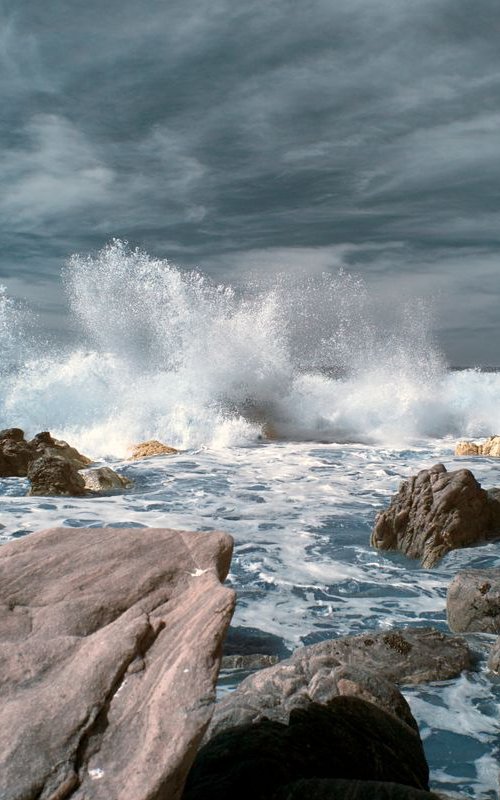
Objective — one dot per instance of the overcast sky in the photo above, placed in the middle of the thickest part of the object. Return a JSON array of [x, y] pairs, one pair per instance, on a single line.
[[270, 135]]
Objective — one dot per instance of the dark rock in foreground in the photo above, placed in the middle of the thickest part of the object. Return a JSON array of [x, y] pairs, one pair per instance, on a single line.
[[473, 601], [349, 738], [365, 666], [434, 512], [325, 789], [110, 643]]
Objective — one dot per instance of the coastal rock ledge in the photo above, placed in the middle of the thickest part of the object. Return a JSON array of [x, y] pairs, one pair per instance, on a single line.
[[110, 643]]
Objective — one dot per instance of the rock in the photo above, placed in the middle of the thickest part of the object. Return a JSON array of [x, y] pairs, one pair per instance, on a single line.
[[365, 666], [16, 454], [110, 642], [44, 444], [151, 448], [473, 601], [491, 447], [494, 659], [434, 512], [51, 475], [325, 789], [104, 479], [349, 738]]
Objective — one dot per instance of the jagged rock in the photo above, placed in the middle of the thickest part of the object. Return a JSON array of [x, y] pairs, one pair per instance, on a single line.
[[349, 738], [51, 475], [104, 479], [16, 454], [151, 448], [45, 445], [491, 447], [110, 642], [365, 666], [494, 659], [473, 601], [325, 789], [434, 512]]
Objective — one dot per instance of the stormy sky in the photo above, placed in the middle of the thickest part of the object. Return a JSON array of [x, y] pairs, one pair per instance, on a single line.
[[264, 136]]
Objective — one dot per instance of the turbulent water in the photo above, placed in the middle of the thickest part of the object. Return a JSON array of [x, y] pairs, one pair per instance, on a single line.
[[355, 397]]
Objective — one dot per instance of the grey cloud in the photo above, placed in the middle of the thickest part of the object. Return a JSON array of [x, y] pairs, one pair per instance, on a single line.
[[254, 137]]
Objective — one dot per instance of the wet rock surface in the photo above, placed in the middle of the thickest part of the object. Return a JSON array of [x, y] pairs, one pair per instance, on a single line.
[[151, 448], [51, 475], [365, 666], [473, 601], [324, 789], [494, 659], [348, 738], [104, 479], [434, 512], [16, 454], [491, 447], [110, 643]]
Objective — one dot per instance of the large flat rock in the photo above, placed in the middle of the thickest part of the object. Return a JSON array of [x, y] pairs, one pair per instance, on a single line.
[[110, 649]]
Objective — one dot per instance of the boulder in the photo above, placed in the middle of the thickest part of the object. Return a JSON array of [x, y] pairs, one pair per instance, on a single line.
[[434, 512], [473, 601], [16, 454], [366, 666], [491, 447], [494, 659], [51, 475], [151, 448], [110, 643], [349, 738], [104, 479], [325, 789]]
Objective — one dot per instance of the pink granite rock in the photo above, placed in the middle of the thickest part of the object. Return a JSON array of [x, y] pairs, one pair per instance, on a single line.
[[110, 644]]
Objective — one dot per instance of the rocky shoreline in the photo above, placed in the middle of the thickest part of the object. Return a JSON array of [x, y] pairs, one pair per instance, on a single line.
[[112, 641]]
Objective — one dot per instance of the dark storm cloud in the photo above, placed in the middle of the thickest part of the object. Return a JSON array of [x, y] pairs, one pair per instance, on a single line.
[[282, 134]]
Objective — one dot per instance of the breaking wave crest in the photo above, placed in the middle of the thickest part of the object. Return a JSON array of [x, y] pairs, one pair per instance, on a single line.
[[169, 354]]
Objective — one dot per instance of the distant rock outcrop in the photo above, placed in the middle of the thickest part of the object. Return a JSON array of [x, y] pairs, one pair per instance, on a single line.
[[491, 447], [434, 512], [365, 666], [16, 454], [151, 448], [110, 643], [473, 601]]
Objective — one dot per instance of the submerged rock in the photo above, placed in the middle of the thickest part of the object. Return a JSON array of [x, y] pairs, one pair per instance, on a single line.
[[365, 666], [110, 642], [349, 738], [473, 601], [491, 447], [434, 512], [104, 479], [151, 448]]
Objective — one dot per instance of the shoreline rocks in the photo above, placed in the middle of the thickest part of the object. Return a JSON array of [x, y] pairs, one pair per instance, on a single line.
[[437, 511], [491, 447], [17, 454], [110, 648], [150, 448], [473, 601], [365, 666]]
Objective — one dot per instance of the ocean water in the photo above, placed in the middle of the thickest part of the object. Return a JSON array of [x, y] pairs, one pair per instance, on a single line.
[[354, 396]]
